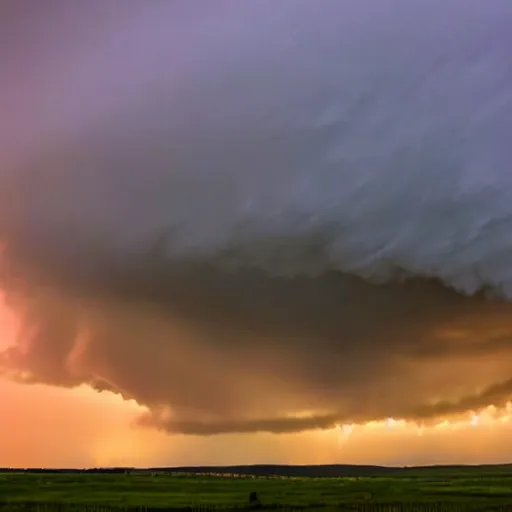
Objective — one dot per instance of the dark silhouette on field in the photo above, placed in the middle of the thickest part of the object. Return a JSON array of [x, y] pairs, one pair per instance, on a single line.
[[254, 501]]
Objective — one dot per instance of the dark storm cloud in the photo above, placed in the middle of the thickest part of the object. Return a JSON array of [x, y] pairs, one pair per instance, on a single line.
[[275, 217]]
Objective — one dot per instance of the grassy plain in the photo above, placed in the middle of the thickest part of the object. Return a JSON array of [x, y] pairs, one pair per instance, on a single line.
[[492, 484]]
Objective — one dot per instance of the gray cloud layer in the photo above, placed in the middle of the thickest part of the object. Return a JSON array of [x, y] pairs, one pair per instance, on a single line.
[[236, 214]]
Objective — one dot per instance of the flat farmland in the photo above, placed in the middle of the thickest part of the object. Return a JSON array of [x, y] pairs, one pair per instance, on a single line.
[[490, 485]]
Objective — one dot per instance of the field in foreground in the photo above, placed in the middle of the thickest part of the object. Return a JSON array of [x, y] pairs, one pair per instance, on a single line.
[[465, 485]]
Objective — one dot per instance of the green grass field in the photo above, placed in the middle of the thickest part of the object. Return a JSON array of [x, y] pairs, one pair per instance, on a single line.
[[475, 485]]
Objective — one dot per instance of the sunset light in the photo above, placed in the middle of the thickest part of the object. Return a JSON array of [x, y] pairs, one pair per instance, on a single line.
[[270, 232], [487, 417]]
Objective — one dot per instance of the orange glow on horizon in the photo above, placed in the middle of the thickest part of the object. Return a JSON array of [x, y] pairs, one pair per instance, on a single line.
[[486, 417], [80, 427], [45, 426]]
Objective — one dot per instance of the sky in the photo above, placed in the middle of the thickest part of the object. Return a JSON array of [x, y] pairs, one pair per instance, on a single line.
[[255, 232]]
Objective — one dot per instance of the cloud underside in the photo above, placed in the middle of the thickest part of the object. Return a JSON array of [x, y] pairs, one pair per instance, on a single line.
[[213, 351]]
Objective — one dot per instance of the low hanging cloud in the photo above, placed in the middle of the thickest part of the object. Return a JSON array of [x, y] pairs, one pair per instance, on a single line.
[[261, 216]]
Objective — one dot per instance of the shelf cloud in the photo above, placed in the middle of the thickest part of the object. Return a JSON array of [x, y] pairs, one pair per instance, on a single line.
[[260, 216]]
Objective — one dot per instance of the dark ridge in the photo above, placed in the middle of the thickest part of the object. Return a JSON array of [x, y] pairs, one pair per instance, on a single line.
[[331, 470], [328, 470], [269, 470]]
